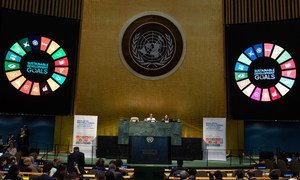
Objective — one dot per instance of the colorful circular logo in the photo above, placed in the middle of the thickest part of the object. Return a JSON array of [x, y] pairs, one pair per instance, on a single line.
[[265, 72], [36, 65], [152, 46]]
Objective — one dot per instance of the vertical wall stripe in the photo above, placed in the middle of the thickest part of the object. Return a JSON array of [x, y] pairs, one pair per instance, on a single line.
[[246, 11], [59, 8]]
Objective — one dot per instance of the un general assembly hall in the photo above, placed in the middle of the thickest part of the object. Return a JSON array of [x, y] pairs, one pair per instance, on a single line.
[[140, 89]]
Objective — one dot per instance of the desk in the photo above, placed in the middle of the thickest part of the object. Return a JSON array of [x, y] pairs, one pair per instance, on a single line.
[[142, 128], [149, 150]]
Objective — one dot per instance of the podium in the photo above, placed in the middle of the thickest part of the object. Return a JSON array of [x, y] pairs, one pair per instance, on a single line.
[[161, 129], [149, 150]]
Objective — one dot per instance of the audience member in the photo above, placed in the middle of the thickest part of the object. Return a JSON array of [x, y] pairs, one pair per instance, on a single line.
[[1, 143], [119, 164], [99, 165], [192, 173], [23, 142], [218, 175], [211, 175], [178, 167], [27, 165], [273, 175], [11, 150], [61, 172], [184, 174], [76, 159], [100, 175], [13, 161], [56, 162], [239, 174], [26, 130], [11, 138], [13, 173], [46, 171], [250, 175], [109, 175], [3, 163], [73, 176], [33, 157], [112, 168]]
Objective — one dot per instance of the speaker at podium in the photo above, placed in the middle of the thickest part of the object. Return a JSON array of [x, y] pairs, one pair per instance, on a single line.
[[149, 150]]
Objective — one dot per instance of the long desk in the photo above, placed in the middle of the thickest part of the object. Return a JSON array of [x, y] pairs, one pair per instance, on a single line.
[[142, 128]]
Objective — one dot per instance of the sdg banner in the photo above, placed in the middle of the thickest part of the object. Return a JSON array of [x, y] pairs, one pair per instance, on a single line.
[[214, 136], [84, 134]]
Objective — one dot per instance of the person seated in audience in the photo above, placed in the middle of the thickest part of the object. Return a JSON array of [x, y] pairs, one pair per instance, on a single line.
[[28, 166], [99, 165], [218, 175], [119, 164], [112, 168], [46, 171], [13, 161], [150, 118], [184, 175], [178, 167], [273, 175], [3, 163], [61, 172], [1, 143], [13, 173], [250, 174], [192, 173], [11, 138], [100, 175], [55, 163], [239, 174], [34, 164], [73, 176], [11, 150], [211, 175], [109, 175]]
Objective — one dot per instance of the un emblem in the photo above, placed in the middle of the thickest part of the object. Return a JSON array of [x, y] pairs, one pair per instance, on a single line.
[[150, 139], [152, 46]]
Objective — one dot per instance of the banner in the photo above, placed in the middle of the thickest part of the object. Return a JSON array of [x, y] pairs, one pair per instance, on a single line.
[[214, 139], [85, 133]]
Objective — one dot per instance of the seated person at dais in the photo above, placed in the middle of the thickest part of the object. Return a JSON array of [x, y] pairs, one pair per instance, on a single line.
[[166, 119], [134, 119], [150, 118]]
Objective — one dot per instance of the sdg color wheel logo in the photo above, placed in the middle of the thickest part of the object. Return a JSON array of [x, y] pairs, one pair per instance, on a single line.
[[36, 65], [265, 72]]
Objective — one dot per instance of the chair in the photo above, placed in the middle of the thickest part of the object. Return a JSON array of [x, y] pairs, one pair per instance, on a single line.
[[201, 174], [93, 171], [234, 172], [258, 173], [224, 174]]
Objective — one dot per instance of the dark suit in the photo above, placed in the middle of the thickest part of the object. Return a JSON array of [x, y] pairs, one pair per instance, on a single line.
[[78, 158]]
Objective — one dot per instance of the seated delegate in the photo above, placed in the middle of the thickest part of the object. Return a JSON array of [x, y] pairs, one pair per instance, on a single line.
[[150, 118]]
